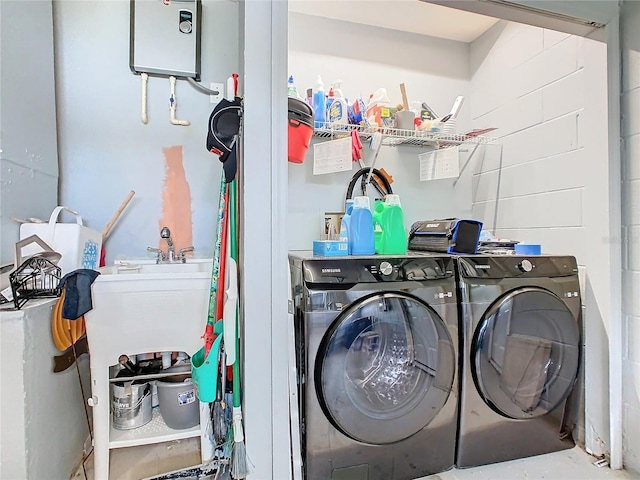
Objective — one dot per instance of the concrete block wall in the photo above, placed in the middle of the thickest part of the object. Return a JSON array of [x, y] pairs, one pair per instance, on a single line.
[[546, 93], [630, 107]]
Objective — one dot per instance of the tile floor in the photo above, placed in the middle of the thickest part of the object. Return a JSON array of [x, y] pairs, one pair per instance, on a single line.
[[135, 463]]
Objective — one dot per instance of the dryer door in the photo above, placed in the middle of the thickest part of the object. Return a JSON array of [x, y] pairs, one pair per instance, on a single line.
[[385, 368], [525, 353]]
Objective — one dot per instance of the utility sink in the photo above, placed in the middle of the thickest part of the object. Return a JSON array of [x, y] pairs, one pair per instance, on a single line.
[[145, 267], [140, 306]]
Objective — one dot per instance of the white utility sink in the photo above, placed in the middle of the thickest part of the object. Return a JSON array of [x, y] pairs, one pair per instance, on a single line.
[[144, 267], [138, 307]]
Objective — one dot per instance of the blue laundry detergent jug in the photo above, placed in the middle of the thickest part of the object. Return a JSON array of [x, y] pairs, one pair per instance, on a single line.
[[361, 240]]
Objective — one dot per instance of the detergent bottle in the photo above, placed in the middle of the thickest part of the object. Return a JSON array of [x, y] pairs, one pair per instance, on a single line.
[[345, 224], [361, 239], [338, 109], [388, 215], [319, 104]]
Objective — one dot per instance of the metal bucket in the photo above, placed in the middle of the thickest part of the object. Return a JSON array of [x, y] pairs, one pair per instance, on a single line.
[[130, 405]]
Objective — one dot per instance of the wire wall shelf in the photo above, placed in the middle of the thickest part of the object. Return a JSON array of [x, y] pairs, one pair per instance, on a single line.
[[396, 136]]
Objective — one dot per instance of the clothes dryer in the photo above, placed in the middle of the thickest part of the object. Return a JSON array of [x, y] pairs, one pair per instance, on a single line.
[[377, 365], [521, 331]]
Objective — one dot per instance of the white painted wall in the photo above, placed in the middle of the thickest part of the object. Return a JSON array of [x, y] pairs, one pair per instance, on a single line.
[[42, 414], [105, 150], [263, 253], [366, 58], [630, 105], [28, 142], [546, 91]]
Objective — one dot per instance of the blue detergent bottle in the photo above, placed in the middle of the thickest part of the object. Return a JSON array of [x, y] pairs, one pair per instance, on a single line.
[[345, 224], [319, 105], [361, 240]]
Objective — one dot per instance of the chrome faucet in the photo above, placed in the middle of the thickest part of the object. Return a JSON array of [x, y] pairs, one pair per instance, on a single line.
[[165, 233], [170, 256]]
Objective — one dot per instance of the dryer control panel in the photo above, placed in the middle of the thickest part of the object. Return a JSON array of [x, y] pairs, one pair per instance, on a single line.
[[517, 266]]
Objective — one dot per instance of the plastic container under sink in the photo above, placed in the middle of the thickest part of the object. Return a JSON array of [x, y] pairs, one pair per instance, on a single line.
[[177, 401]]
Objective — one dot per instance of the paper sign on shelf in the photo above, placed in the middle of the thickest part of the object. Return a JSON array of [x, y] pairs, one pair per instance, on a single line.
[[333, 156], [439, 164]]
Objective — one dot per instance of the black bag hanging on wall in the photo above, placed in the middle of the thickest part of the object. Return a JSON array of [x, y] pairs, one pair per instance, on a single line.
[[224, 128]]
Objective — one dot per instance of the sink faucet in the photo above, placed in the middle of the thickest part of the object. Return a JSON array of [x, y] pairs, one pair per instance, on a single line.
[[170, 256], [165, 233]]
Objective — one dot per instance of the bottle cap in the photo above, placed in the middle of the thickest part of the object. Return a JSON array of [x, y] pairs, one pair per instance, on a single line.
[[361, 202], [392, 199], [336, 89]]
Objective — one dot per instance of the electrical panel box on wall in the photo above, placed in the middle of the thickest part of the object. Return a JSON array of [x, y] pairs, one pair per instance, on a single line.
[[165, 37]]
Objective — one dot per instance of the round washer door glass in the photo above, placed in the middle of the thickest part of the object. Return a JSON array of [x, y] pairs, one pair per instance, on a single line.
[[526, 353], [385, 368]]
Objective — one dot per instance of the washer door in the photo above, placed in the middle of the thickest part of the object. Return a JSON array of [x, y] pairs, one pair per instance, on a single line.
[[525, 353], [384, 368]]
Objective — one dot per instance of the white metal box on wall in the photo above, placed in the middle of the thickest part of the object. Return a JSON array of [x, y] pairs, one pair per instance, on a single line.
[[165, 37]]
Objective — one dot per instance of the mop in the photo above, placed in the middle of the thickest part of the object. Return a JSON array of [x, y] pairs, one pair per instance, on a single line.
[[240, 464]]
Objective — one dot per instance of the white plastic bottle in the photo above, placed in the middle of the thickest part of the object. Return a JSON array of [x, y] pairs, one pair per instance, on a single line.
[[292, 91], [337, 112]]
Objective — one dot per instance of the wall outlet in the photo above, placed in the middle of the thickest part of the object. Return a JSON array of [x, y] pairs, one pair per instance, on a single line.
[[219, 87]]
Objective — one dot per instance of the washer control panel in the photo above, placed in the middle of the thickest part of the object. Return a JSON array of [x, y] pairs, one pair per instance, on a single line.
[[370, 269]]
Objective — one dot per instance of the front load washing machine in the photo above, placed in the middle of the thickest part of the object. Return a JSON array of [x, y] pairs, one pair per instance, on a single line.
[[521, 331], [376, 342]]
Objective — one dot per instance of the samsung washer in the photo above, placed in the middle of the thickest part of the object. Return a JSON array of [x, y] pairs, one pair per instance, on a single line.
[[521, 331], [377, 362]]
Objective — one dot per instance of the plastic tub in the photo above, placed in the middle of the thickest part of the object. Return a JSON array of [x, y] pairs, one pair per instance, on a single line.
[[177, 402], [300, 129]]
